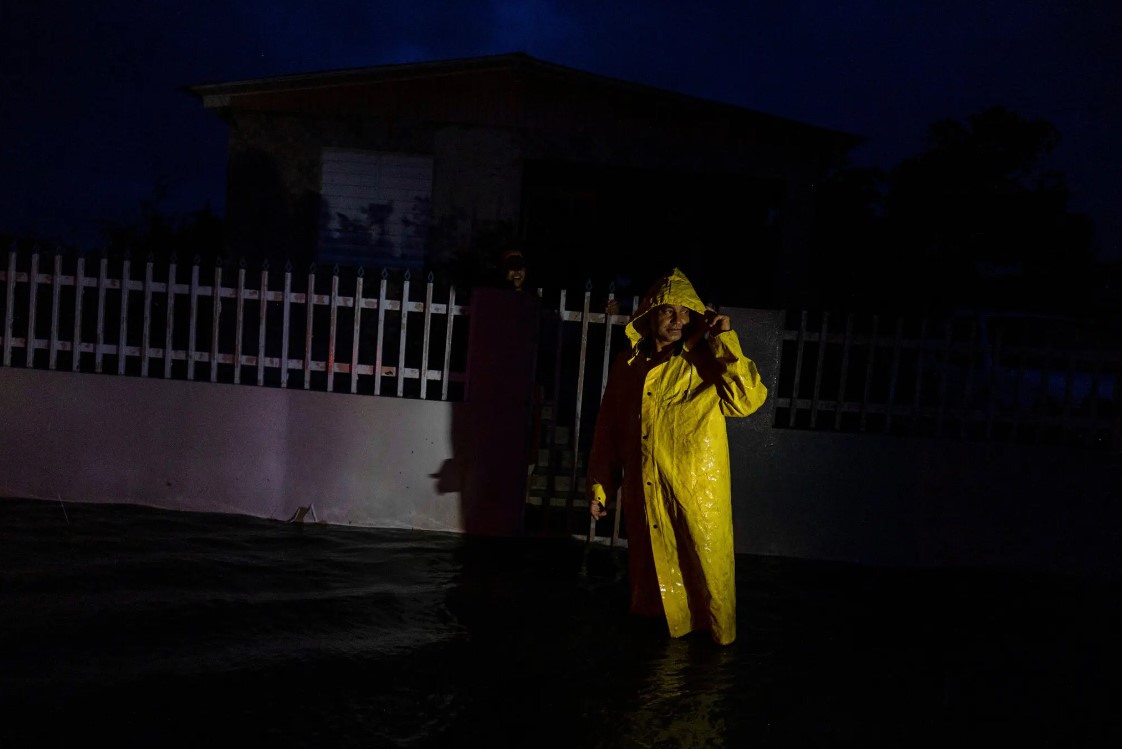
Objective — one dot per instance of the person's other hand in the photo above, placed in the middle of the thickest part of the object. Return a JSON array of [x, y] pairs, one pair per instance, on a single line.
[[612, 307], [596, 509]]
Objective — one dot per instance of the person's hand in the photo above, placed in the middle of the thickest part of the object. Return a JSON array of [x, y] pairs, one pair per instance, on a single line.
[[711, 324], [715, 322], [612, 307], [596, 509]]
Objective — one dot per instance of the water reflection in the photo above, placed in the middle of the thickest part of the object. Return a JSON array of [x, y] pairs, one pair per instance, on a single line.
[[685, 699]]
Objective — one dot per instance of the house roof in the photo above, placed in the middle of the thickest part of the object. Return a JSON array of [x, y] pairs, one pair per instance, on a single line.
[[223, 95]]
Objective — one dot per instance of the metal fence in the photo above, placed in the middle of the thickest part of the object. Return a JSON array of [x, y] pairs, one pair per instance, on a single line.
[[323, 331], [577, 343], [1000, 377]]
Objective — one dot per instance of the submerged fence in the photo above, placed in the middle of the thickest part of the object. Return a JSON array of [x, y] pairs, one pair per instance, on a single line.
[[975, 377]]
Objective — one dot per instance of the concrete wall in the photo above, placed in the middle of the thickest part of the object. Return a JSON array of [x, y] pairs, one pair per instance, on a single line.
[[886, 501], [225, 448]]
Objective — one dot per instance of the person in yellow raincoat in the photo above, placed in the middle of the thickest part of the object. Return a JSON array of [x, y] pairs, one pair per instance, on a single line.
[[660, 437]]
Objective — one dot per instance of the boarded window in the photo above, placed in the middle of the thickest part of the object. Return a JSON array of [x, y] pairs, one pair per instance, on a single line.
[[376, 208]]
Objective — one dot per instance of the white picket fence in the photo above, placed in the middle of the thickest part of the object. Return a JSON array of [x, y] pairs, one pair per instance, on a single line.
[[146, 325]]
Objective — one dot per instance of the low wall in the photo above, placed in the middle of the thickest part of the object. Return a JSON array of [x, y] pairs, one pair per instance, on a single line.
[[403, 463], [887, 501], [208, 447]]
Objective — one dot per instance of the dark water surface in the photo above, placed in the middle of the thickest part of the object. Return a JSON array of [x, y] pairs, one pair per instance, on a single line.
[[129, 626]]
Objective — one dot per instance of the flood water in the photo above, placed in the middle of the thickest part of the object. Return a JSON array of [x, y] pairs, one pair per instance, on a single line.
[[132, 626]]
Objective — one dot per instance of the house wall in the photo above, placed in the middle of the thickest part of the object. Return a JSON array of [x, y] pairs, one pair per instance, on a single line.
[[477, 185], [275, 172], [481, 131]]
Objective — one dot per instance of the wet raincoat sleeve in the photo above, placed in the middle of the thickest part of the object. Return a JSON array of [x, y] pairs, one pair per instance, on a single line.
[[739, 387]]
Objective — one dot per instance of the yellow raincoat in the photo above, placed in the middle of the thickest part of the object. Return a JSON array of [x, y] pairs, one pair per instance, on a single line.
[[660, 436]]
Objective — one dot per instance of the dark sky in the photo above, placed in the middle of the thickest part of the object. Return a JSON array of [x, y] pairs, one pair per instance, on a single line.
[[92, 116]]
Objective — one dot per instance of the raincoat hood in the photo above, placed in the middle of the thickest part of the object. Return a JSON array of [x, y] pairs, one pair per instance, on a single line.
[[673, 288]]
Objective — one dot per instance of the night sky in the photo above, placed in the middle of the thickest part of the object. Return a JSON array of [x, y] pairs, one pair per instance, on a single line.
[[93, 116]]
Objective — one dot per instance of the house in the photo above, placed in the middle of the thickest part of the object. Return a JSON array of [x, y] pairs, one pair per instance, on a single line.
[[439, 165]]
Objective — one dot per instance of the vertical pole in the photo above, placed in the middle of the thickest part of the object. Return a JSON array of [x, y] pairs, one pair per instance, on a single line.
[[32, 304], [123, 328], [309, 311], [447, 371], [79, 290], [286, 307], [609, 321], [381, 334], [99, 345], [193, 321], [425, 338], [216, 299], [262, 317], [169, 338], [356, 330], [332, 327], [146, 326], [56, 295], [401, 338], [239, 321]]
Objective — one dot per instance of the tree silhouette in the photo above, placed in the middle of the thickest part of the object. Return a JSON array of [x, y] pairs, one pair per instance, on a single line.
[[976, 219], [985, 218], [161, 235], [851, 264]]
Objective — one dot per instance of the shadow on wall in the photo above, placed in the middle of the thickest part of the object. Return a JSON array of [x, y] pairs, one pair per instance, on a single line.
[[492, 426]]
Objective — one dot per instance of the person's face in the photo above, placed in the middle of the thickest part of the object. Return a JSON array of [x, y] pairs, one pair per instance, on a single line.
[[667, 322], [516, 276], [514, 270]]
